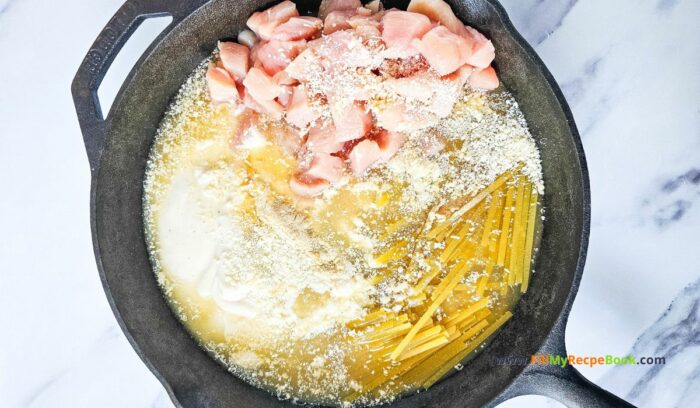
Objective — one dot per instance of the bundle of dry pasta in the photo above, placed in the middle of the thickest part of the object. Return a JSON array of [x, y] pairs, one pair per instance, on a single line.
[[483, 248]]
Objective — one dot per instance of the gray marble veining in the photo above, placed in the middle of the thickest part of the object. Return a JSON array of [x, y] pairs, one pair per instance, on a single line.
[[675, 337], [538, 19]]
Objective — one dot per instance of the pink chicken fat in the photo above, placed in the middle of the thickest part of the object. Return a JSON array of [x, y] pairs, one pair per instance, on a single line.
[[324, 75]]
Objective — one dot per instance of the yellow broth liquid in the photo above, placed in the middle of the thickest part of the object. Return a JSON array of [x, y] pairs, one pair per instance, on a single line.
[[473, 263]]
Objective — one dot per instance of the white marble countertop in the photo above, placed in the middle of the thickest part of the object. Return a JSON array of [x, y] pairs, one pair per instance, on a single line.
[[628, 68]]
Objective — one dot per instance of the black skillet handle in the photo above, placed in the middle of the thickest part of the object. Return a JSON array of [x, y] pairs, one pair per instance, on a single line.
[[566, 384], [101, 55]]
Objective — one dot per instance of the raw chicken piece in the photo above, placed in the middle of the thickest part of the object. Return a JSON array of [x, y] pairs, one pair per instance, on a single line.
[[254, 51], [363, 11], [404, 67], [298, 67], [485, 79], [328, 6], [298, 28], [366, 27], [375, 6], [250, 103], [300, 113], [483, 51], [439, 11], [248, 38], [306, 186], [342, 47], [261, 86], [261, 92], [263, 23], [321, 139], [276, 55], [337, 45], [396, 118], [460, 76], [364, 155], [393, 117], [222, 87], [347, 19], [271, 108], [283, 78], [251, 139], [247, 134], [389, 143], [419, 87], [285, 96], [235, 58], [326, 167], [352, 123], [337, 20], [400, 28], [444, 50], [288, 138]]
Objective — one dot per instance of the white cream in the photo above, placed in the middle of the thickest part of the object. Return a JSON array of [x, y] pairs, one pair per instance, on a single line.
[[279, 283], [186, 245]]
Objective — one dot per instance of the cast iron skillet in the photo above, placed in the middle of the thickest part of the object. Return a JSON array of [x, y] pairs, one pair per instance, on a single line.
[[118, 147]]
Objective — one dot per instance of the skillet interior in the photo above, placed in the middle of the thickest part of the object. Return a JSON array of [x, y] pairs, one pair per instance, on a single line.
[[195, 380]]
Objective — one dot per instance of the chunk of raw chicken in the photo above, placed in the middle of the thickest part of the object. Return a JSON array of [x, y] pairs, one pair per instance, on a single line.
[[444, 50], [389, 143], [343, 47], [275, 56], [348, 19], [235, 59], [397, 118], [337, 20], [222, 86], [247, 135], [326, 167], [283, 78], [363, 156], [366, 28], [392, 117], [300, 113], [352, 122], [261, 92], [288, 138], [485, 79], [299, 67], [460, 76], [400, 28], [260, 85], [298, 28], [272, 108], [483, 51], [321, 139], [375, 6], [306, 186], [439, 11], [263, 23], [248, 38], [328, 6], [285, 96], [418, 87], [254, 51]]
